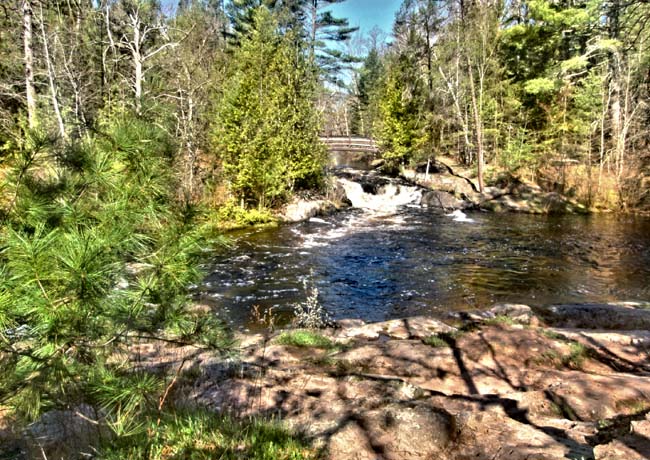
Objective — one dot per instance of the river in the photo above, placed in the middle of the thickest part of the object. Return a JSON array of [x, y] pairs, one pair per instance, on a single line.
[[377, 265]]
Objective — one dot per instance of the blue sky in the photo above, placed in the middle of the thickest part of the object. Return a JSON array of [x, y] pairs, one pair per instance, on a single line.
[[368, 13], [360, 13]]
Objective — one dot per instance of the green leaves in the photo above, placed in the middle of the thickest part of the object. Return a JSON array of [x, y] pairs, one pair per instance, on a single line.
[[539, 86]]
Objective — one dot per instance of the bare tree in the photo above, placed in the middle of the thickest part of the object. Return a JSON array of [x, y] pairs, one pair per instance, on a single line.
[[51, 77], [28, 58]]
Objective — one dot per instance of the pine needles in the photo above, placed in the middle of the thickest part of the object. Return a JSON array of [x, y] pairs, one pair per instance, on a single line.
[[95, 254]]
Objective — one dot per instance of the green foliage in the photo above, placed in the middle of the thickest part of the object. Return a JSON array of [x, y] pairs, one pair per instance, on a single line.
[[266, 131], [202, 435], [518, 151], [400, 129], [232, 215], [539, 86], [500, 319], [366, 108], [574, 359], [443, 339], [96, 255], [304, 339]]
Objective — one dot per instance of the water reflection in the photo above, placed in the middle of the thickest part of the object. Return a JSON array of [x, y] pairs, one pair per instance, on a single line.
[[377, 267]]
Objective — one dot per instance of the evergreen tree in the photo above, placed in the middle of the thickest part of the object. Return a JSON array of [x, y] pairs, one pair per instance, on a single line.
[[400, 130], [97, 256], [365, 113], [266, 130], [323, 29]]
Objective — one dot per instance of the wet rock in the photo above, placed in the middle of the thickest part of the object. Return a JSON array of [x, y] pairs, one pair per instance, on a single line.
[[517, 313], [441, 181], [532, 201], [442, 200], [619, 316]]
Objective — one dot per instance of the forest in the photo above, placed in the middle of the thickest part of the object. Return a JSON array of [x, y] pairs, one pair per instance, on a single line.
[[133, 133]]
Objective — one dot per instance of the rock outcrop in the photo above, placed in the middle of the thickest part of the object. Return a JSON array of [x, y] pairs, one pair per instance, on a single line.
[[493, 386], [623, 316], [507, 194]]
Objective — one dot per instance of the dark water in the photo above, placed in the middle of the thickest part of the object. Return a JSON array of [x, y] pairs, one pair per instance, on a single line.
[[378, 267]]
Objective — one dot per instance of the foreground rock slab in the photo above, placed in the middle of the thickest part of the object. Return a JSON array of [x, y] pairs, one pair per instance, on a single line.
[[418, 388]]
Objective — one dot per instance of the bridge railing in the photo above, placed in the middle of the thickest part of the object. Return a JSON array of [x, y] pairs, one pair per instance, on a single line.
[[362, 144]]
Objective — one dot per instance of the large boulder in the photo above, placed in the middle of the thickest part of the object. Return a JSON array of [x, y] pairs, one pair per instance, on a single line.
[[301, 210], [622, 316], [442, 181], [438, 199]]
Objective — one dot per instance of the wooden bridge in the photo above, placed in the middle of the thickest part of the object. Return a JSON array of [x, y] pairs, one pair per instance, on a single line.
[[350, 144]]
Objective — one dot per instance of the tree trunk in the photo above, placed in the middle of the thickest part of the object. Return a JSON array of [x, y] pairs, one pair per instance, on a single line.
[[137, 67], [479, 128], [29, 63], [52, 80]]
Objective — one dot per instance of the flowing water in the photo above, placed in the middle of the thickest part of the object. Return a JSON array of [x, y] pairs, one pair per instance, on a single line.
[[390, 258]]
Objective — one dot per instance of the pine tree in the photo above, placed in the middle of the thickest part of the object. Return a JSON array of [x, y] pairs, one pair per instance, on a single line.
[[97, 256], [323, 29]]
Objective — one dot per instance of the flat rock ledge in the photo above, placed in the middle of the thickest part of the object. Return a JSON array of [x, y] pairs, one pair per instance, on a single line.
[[502, 384], [449, 190], [509, 383]]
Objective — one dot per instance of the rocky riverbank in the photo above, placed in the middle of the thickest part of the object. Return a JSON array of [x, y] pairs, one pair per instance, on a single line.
[[508, 383], [439, 188], [450, 185], [504, 384]]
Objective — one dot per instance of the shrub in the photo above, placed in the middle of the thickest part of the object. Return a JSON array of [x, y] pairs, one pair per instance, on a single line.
[[231, 215], [311, 314]]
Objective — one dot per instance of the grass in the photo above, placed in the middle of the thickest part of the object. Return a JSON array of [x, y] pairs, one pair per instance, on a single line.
[[500, 319], [574, 359], [553, 335], [442, 339], [202, 435], [435, 341], [634, 405], [305, 339]]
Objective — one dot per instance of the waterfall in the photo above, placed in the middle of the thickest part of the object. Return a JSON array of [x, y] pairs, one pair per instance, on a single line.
[[387, 199]]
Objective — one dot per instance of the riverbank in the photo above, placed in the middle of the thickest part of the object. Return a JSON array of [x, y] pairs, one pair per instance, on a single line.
[[503, 384], [497, 385], [507, 383], [437, 186]]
